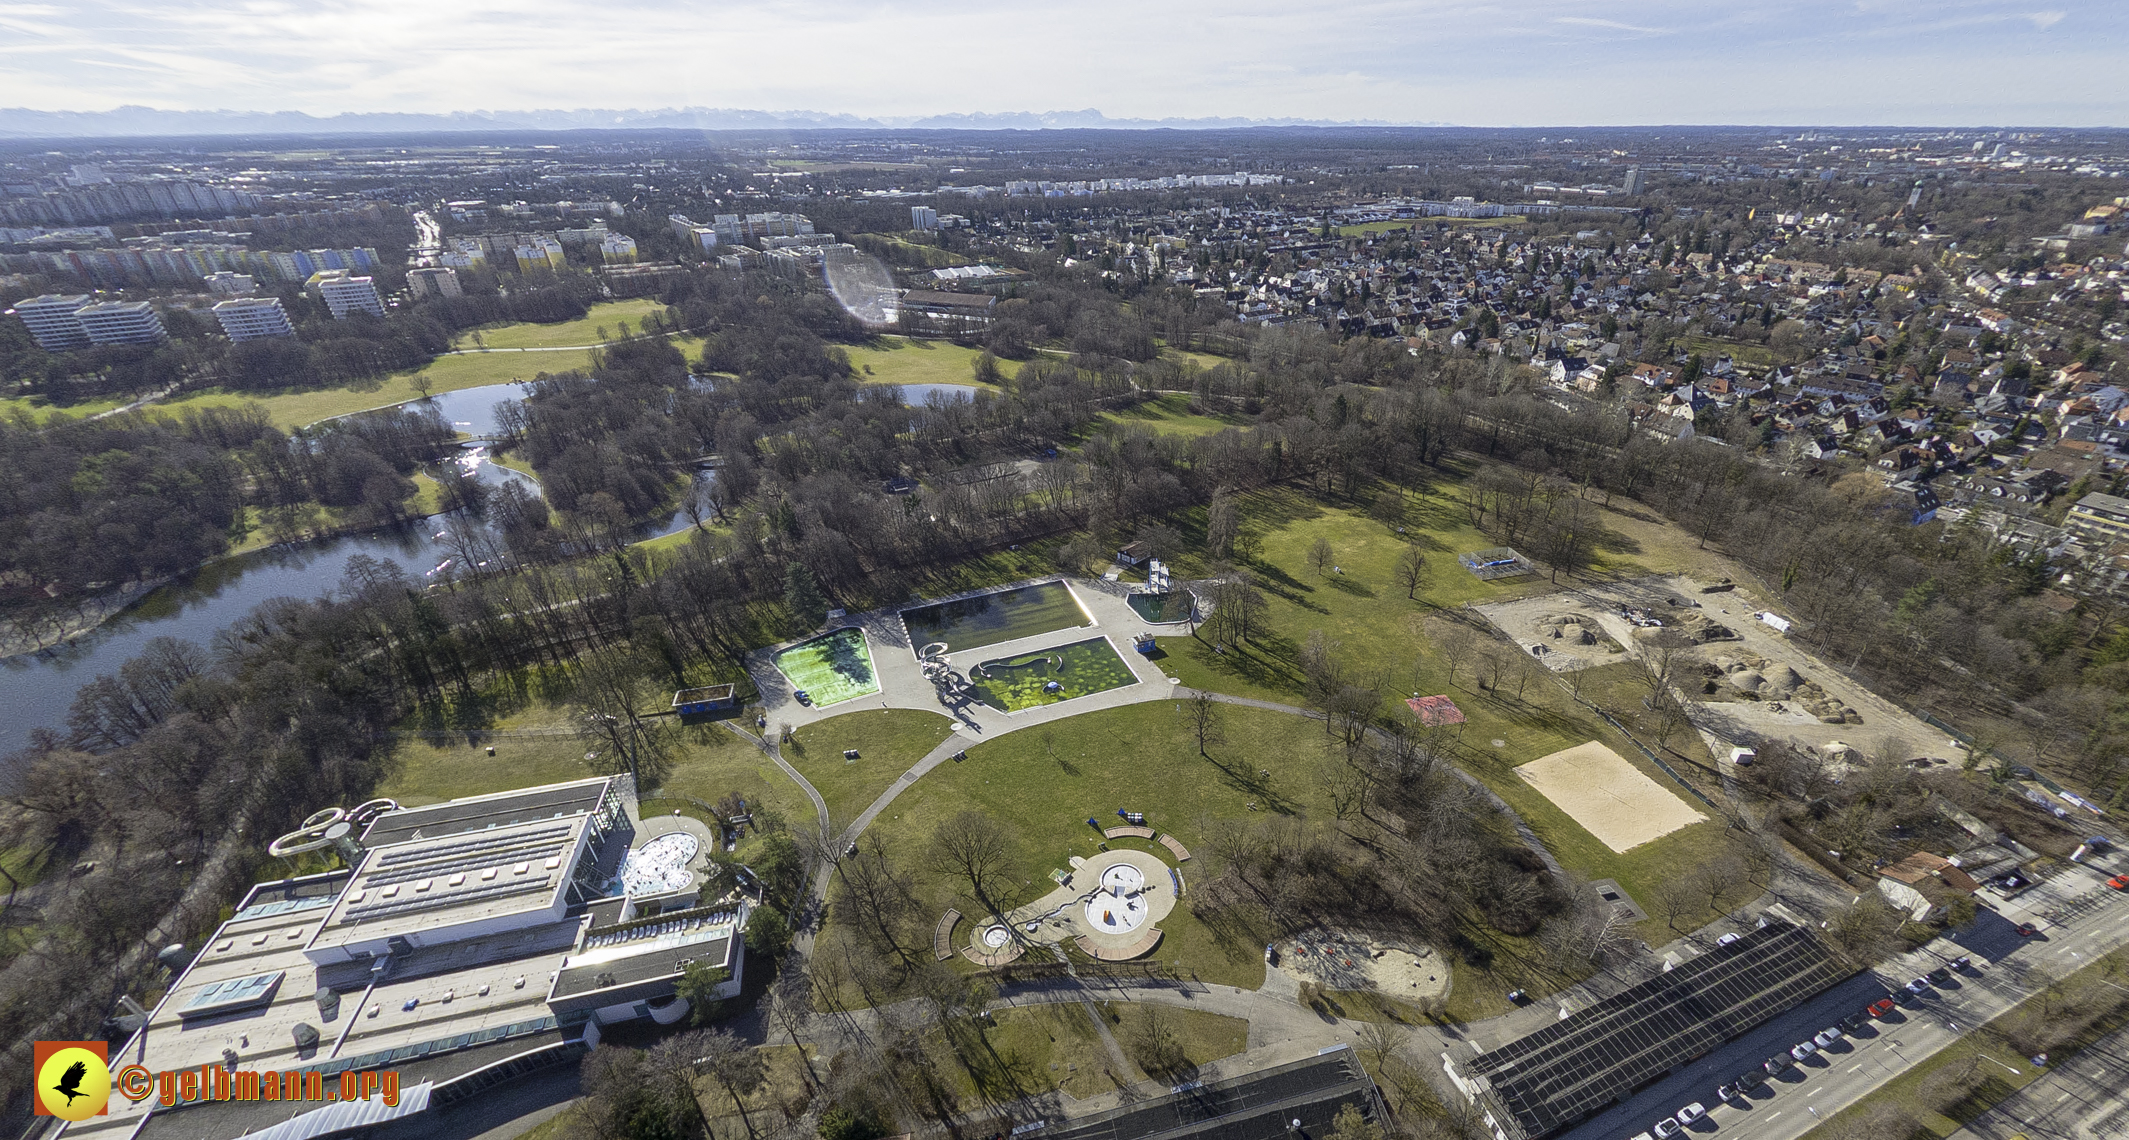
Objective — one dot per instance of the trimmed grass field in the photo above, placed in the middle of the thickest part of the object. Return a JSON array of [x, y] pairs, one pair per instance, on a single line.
[[1406, 647], [1023, 681], [1036, 1048], [901, 360], [831, 668], [888, 742], [582, 331], [1170, 414], [42, 410], [1044, 783]]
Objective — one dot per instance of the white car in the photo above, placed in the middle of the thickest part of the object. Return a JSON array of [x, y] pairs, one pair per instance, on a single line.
[[1802, 1050], [1691, 1113], [1666, 1128], [1728, 940], [1827, 1036]]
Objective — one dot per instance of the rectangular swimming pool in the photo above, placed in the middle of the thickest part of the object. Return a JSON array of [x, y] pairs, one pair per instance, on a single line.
[[830, 668], [988, 619]]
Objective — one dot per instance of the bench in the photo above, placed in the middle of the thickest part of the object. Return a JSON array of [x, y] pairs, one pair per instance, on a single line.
[[1138, 949], [1132, 832], [942, 939], [984, 956], [1182, 853]]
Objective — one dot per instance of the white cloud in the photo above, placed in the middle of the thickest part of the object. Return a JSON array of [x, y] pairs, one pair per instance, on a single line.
[[1474, 61]]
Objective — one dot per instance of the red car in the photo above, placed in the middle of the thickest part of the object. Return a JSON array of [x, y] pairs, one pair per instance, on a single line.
[[2119, 882], [2027, 930], [1881, 1007]]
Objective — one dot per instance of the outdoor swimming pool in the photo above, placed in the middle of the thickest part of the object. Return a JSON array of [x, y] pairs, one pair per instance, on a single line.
[[1023, 680], [1162, 609], [830, 668], [988, 619]]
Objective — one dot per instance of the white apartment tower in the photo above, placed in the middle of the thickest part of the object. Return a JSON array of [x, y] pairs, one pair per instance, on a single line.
[[122, 322], [923, 218], [344, 294], [51, 320], [251, 318]]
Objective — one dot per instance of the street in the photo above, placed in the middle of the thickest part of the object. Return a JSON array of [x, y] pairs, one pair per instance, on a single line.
[[2084, 1099]]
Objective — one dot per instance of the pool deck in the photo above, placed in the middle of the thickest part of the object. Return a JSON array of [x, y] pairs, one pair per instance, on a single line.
[[902, 683]]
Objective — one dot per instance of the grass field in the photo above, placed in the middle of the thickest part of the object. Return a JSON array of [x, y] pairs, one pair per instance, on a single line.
[[831, 668], [1399, 647], [42, 411], [1170, 414], [582, 331], [887, 741], [1044, 783], [900, 360], [1037, 1048]]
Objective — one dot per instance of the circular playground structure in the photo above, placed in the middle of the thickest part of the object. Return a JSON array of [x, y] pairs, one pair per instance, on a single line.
[[1109, 905], [995, 936], [1110, 913], [659, 867]]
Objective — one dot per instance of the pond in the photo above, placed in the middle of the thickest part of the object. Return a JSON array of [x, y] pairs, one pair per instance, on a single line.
[[1047, 676], [831, 668], [918, 395], [988, 619]]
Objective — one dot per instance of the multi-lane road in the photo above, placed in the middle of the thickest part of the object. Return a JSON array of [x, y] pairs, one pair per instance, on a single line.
[[2079, 919], [2085, 1098]]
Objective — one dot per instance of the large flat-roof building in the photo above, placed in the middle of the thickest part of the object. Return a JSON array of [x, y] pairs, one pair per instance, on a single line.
[[467, 941], [1549, 1080], [52, 322], [122, 322], [253, 318], [344, 294], [2097, 516]]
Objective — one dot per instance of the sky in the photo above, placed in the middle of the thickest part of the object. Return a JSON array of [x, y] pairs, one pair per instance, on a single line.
[[1500, 63]]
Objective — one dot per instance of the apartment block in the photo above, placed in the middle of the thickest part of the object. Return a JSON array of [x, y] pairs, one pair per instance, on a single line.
[[51, 320], [251, 318], [122, 322]]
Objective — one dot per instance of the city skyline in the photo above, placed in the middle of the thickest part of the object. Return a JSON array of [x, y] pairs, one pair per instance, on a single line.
[[1619, 62]]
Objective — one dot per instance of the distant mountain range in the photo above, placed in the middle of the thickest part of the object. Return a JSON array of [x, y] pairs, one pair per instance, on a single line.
[[18, 122]]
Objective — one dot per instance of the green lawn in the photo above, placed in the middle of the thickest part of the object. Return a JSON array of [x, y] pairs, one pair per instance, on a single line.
[[888, 742], [42, 410], [582, 331], [1396, 645], [900, 360], [1044, 783], [831, 668], [1170, 414], [1035, 1048], [447, 374], [1023, 681]]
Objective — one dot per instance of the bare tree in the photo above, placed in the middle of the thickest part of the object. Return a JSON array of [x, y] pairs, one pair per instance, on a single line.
[[974, 851], [1319, 555], [1678, 896], [1205, 718], [1412, 572]]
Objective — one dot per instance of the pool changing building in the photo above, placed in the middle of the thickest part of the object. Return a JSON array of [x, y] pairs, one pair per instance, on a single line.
[[471, 942]]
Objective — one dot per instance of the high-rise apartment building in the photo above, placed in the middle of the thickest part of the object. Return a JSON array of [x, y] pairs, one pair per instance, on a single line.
[[122, 322], [250, 318], [51, 320], [344, 294], [433, 283], [923, 218], [1634, 181]]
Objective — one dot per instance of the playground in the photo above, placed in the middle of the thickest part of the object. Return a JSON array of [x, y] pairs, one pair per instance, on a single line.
[[1107, 904]]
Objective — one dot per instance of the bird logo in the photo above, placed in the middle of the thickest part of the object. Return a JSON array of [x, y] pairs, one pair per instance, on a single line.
[[73, 1079]]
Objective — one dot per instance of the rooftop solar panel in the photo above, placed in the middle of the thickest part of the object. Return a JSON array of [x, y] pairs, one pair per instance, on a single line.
[[1551, 1078]]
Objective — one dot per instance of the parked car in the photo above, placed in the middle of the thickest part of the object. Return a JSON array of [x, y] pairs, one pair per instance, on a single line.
[[1691, 1113], [1918, 987], [1940, 975], [1750, 1079], [1827, 1036], [1729, 940], [2119, 882], [1881, 1007], [1666, 1128], [1776, 1064], [1962, 963], [803, 697], [1855, 1021], [1802, 1049], [2027, 930], [1726, 1092]]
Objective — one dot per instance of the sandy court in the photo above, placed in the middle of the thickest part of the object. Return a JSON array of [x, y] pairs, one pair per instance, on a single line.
[[1609, 797]]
